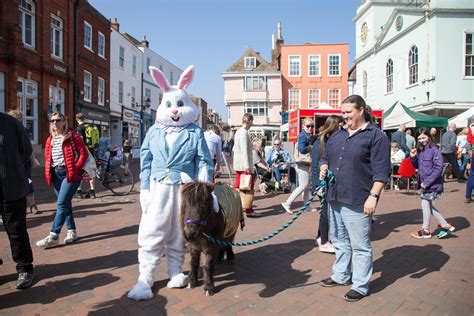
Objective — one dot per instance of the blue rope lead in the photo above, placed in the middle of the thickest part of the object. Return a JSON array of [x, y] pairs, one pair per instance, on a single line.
[[329, 179]]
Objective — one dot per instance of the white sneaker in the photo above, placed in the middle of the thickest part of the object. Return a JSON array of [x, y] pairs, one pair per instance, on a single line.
[[287, 208], [318, 241], [47, 242], [70, 237], [327, 247]]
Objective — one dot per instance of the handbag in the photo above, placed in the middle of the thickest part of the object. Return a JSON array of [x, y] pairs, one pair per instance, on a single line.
[[304, 159], [246, 199], [245, 183], [90, 166]]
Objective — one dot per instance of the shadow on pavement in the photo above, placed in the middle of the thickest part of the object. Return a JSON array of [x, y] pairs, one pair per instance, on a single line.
[[124, 231], [52, 291], [115, 260], [385, 224], [48, 217], [413, 261], [256, 267], [119, 306]]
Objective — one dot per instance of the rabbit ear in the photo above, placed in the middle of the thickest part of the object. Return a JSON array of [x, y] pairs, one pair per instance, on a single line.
[[186, 78], [160, 79]]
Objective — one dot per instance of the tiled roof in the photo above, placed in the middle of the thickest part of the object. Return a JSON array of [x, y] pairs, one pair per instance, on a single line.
[[261, 66]]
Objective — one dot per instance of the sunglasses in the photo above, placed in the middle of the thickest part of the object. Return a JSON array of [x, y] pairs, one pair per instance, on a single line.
[[276, 144], [55, 120], [309, 126]]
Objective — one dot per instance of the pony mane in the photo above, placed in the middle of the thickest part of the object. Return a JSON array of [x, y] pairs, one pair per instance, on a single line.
[[194, 193]]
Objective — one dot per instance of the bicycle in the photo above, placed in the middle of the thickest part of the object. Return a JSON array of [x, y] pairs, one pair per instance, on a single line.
[[114, 176]]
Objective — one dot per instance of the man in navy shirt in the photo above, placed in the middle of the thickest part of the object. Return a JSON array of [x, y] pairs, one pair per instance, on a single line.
[[359, 157]]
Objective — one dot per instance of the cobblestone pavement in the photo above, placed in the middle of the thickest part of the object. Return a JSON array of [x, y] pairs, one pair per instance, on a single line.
[[280, 276]]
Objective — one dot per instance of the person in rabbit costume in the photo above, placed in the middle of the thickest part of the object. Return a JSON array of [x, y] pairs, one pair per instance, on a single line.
[[173, 147]]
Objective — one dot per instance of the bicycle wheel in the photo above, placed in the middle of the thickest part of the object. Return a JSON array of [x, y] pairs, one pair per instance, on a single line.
[[119, 181]]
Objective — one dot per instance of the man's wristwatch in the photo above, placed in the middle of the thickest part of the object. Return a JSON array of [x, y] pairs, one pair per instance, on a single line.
[[375, 195]]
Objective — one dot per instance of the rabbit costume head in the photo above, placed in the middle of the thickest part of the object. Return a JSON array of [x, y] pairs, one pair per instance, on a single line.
[[176, 108]]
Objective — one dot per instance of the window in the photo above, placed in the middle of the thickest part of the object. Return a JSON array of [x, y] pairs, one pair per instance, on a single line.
[[120, 94], [294, 98], [56, 37], [132, 92], [87, 86], [334, 97], [389, 76], [171, 78], [256, 108], [147, 95], [313, 65], [334, 65], [100, 91], [56, 99], [134, 65], [148, 63], [255, 83], [121, 57], [413, 66], [314, 96], [250, 62], [101, 45], [27, 102], [364, 84], [27, 22], [469, 57], [294, 68], [87, 35]]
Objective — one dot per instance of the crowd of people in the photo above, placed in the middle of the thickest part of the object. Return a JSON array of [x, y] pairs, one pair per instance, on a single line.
[[360, 156]]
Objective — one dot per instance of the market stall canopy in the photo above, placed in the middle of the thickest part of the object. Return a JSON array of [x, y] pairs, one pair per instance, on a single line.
[[462, 119], [400, 114]]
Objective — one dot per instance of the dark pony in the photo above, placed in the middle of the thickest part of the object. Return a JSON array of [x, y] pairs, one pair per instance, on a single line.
[[197, 218]]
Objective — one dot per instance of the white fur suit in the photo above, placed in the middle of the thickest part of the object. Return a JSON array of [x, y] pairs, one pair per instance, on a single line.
[[172, 146]]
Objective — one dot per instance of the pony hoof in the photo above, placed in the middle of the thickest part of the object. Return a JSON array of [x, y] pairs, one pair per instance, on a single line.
[[209, 292]]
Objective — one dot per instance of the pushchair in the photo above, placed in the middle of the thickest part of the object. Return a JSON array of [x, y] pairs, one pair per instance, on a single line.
[[267, 183]]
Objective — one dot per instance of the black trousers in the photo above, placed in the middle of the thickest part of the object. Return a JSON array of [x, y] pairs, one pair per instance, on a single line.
[[14, 221], [451, 158], [323, 230]]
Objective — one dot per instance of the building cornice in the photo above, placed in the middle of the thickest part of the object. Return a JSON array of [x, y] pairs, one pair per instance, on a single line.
[[250, 73]]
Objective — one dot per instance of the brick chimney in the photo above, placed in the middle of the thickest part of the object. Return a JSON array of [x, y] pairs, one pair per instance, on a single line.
[[144, 42], [115, 24]]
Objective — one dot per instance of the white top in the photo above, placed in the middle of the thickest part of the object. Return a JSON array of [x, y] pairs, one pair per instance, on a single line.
[[214, 142], [397, 157], [461, 142], [242, 151], [57, 152]]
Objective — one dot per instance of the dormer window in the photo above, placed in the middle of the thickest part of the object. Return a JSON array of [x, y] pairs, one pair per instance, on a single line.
[[250, 62]]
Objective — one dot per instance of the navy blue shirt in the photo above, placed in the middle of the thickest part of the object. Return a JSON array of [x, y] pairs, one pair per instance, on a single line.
[[357, 162]]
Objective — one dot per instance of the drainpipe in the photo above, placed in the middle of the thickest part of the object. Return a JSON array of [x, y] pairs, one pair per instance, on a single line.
[[427, 55], [75, 86]]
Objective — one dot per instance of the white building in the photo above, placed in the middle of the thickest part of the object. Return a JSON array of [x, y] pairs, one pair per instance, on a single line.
[[417, 52], [125, 88]]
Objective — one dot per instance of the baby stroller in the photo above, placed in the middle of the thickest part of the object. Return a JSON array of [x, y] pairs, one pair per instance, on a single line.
[[267, 184]]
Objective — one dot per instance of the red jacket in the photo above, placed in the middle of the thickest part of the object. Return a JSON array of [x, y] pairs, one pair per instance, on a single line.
[[470, 137], [75, 156]]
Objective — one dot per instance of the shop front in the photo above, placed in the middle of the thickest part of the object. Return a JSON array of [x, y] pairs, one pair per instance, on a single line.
[[99, 116], [131, 129]]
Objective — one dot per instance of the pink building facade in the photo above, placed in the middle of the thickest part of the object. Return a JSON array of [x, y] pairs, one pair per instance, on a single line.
[[313, 75], [253, 85]]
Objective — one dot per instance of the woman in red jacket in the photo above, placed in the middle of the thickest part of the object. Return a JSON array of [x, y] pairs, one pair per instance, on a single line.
[[470, 179], [65, 154]]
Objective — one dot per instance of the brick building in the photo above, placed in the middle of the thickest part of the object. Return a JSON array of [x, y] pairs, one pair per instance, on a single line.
[[92, 93], [36, 61]]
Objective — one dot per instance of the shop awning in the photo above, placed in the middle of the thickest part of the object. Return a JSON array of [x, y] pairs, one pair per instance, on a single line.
[[462, 119], [400, 114]]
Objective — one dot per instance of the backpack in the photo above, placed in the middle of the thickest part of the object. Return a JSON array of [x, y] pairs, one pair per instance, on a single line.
[[92, 135]]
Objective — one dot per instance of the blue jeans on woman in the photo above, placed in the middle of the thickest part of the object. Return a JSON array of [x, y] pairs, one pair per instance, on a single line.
[[470, 180], [349, 232], [64, 192]]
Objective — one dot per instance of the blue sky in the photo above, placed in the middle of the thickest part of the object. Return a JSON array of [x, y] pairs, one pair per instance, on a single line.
[[213, 34]]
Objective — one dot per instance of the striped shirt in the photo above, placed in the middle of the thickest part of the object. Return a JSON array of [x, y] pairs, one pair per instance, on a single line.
[[57, 151]]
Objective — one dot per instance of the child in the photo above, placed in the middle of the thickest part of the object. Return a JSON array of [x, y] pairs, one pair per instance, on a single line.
[[430, 181]]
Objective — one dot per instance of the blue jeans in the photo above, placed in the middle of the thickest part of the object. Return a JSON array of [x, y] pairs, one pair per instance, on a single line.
[[64, 191], [470, 181], [349, 232]]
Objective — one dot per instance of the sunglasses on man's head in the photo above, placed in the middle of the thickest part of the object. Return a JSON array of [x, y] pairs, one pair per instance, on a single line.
[[55, 120]]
